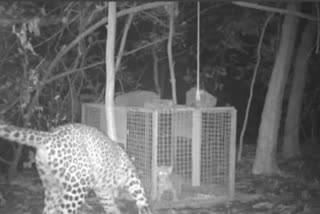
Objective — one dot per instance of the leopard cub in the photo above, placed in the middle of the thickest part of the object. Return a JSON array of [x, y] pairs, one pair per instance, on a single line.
[[168, 181]]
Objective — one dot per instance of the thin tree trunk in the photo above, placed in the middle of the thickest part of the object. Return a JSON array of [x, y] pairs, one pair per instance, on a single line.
[[291, 146], [252, 84], [169, 49], [123, 41], [156, 70], [265, 160], [110, 77], [14, 164]]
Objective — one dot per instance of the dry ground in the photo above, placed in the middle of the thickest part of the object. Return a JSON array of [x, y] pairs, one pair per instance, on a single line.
[[297, 191]]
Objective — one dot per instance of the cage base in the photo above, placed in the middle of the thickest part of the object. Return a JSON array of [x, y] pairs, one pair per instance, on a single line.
[[191, 203], [195, 197]]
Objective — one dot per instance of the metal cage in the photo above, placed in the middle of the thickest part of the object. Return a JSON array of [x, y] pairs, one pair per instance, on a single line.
[[199, 143]]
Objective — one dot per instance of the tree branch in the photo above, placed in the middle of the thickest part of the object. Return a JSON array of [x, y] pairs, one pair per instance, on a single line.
[[276, 10], [123, 41]]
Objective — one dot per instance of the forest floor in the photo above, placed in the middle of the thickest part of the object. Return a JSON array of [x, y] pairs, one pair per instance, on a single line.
[[297, 191]]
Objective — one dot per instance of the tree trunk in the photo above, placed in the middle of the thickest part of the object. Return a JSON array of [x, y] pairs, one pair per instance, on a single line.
[[265, 160], [156, 70], [291, 146], [14, 164], [171, 10], [110, 77]]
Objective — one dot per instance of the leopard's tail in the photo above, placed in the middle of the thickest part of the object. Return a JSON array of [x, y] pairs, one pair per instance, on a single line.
[[24, 136]]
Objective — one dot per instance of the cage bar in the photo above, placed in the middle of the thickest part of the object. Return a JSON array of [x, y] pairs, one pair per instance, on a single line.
[[154, 154], [196, 147]]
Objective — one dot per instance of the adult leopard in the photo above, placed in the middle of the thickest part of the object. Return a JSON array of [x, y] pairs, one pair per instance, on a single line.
[[73, 158]]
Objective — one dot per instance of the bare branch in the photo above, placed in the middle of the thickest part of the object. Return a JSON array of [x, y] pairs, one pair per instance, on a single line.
[[145, 46], [156, 19], [276, 10], [123, 41]]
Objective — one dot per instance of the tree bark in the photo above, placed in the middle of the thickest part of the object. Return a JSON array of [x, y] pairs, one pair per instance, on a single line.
[[265, 160], [291, 146]]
